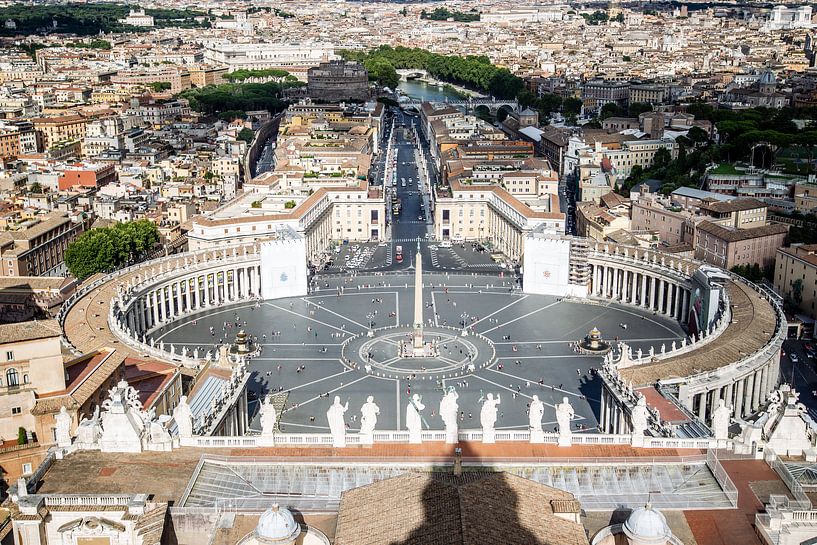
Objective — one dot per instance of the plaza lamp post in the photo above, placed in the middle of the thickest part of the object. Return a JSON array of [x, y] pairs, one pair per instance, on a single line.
[[370, 317]]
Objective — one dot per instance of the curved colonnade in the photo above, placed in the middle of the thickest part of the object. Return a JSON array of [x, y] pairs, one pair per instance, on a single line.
[[139, 299], [740, 363], [735, 357]]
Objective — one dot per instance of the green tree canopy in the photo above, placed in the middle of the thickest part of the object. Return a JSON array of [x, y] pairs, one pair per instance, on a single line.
[[107, 248]]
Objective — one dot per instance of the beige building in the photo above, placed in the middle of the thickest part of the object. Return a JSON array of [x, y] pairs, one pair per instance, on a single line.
[[805, 198], [728, 247], [37, 247], [489, 213], [669, 224], [61, 128], [799, 262], [736, 213], [600, 222]]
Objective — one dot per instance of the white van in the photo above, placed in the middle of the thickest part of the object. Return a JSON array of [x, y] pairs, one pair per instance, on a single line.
[[445, 244]]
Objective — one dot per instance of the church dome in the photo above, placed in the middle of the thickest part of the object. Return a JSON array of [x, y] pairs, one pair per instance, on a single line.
[[647, 526], [277, 526]]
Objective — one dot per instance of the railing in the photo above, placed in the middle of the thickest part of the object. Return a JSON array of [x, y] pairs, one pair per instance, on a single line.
[[44, 466], [431, 436], [770, 456], [87, 499], [722, 477]]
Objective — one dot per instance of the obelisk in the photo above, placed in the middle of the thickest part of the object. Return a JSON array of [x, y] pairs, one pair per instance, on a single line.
[[418, 299]]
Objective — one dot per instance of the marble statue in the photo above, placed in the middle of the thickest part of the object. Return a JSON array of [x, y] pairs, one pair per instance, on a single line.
[[368, 419], [535, 415], [639, 419], [63, 431], [184, 418], [414, 421], [487, 418], [337, 425], [89, 431], [721, 417], [564, 414], [158, 438], [268, 417], [449, 410]]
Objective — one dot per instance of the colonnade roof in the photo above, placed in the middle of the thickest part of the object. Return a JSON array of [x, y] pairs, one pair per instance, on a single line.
[[752, 328]]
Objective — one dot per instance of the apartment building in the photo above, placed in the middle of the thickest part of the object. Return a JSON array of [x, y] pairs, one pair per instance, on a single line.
[[37, 247], [488, 213], [176, 76], [795, 276], [599, 223], [727, 247], [61, 128], [735, 213], [669, 224], [805, 198], [203, 75], [648, 94], [638, 152], [92, 175], [30, 365], [596, 93]]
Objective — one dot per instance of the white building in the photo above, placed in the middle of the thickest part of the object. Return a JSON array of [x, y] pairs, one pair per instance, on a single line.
[[255, 56], [137, 17], [786, 18]]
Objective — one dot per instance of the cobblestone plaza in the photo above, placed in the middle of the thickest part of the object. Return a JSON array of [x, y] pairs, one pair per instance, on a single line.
[[316, 347]]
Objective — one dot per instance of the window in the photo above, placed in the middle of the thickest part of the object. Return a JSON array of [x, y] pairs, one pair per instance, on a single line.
[[26, 468], [12, 378], [16, 410], [9, 355]]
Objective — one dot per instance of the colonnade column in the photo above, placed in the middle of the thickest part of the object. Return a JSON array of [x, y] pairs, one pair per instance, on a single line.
[[747, 398], [739, 399], [643, 290]]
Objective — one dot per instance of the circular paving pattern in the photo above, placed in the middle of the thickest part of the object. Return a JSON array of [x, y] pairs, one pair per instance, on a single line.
[[315, 347], [380, 354]]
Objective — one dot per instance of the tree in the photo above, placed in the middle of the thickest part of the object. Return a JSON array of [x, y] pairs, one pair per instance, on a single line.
[[106, 248], [159, 86], [383, 72], [661, 158], [638, 108], [797, 292], [572, 106], [698, 135], [246, 135], [22, 437], [36, 187]]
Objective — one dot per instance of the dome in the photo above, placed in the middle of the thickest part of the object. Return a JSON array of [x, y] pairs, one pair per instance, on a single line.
[[646, 526], [277, 525]]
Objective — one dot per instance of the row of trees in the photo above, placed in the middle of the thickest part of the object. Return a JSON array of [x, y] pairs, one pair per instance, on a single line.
[[89, 19], [108, 248], [245, 74], [475, 72], [443, 14], [217, 99]]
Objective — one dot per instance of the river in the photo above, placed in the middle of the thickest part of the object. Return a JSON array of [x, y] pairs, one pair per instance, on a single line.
[[420, 90]]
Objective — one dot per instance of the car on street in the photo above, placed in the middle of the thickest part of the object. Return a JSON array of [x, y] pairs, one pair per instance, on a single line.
[[793, 357]]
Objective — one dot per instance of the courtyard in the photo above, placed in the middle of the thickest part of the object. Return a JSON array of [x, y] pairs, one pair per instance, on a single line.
[[519, 345]]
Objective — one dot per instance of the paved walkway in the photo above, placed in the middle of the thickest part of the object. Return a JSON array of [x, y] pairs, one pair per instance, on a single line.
[[733, 526]]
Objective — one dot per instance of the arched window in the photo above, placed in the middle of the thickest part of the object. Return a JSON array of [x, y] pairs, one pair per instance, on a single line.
[[25, 379], [12, 378]]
